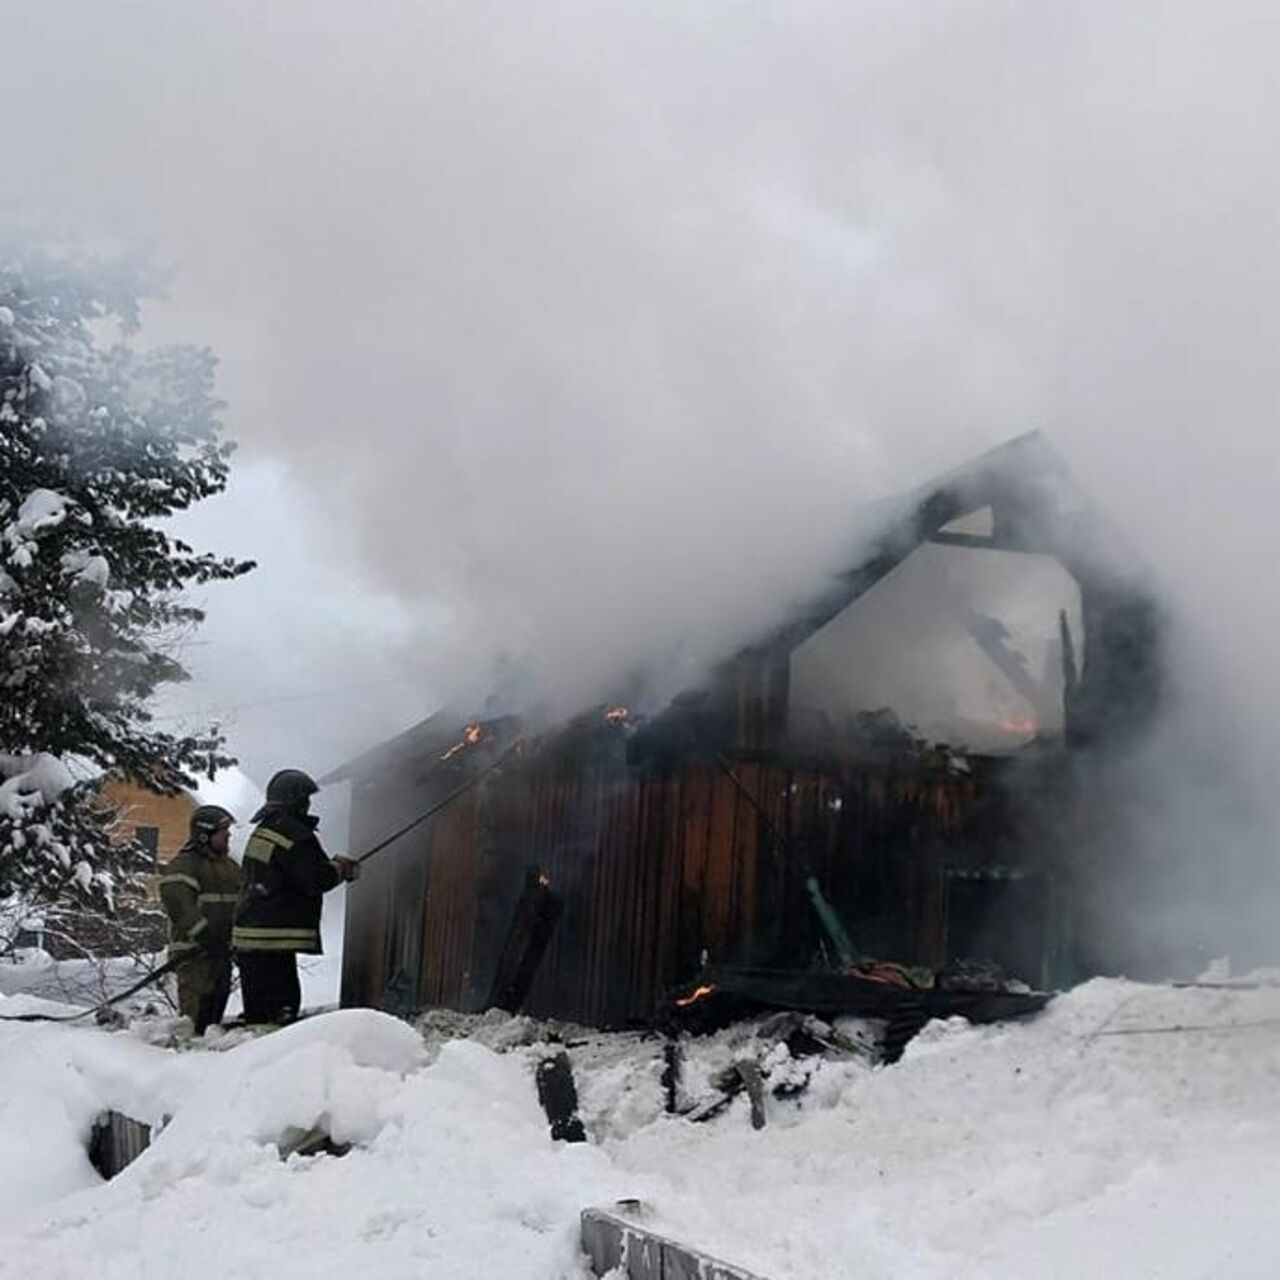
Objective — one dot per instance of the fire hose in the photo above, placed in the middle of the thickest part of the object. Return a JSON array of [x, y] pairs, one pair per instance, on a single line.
[[441, 804], [177, 962]]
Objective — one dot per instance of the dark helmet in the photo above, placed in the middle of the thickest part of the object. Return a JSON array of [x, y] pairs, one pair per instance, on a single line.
[[207, 820], [291, 789]]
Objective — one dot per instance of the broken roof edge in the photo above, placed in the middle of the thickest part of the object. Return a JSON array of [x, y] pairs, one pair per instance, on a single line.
[[414, 736], [1037, 507], [1025, 480]]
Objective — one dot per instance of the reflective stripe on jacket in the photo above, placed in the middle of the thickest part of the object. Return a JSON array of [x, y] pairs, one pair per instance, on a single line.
[[285, 875], [199, 892]]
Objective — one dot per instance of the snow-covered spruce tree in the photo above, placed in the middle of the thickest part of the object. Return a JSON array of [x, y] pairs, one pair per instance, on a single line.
[[98, 441]]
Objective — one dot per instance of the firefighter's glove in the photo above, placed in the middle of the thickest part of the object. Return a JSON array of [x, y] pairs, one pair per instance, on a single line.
[[348, 868]]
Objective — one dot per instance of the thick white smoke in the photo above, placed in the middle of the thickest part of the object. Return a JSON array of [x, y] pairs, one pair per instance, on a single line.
[[588, 327]]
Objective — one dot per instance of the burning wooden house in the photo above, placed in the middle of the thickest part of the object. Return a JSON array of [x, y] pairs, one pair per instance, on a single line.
[[778, 817]]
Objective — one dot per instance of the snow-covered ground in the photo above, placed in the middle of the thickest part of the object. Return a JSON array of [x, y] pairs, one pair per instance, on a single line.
[[86, 982], [1130, 1131]]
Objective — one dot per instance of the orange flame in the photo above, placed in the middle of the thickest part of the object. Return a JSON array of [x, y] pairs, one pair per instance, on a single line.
[[616, 715], [543, 879], [1021, 725], [698, 993], [472, 734]]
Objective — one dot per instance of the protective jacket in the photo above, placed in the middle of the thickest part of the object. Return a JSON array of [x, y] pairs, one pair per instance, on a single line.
[[199, 891], [284, 878]]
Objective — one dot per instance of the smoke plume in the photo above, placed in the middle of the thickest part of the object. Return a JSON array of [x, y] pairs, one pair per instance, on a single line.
[[588, 328]]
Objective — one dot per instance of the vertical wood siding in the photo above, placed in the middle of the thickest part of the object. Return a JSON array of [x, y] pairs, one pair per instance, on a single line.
[[657, 866]]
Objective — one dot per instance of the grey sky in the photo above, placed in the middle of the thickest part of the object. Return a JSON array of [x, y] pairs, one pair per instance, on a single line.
[[576, 329]]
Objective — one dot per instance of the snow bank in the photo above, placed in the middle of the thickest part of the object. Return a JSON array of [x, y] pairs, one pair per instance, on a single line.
[[1044, 1149], [452, 1172], [1131, 1131], [56, 1080], [337, 1073]]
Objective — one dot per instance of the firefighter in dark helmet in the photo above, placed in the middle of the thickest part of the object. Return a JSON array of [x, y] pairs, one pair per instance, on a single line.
[[285, 875], [199, 890]]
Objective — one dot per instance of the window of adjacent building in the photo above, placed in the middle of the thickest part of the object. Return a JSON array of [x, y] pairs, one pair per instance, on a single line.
[[149, 839]]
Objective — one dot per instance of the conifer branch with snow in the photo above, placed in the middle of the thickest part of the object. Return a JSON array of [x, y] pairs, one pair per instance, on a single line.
[[98, 442]]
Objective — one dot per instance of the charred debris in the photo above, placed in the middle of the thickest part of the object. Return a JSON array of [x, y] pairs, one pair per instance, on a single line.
[[777, 839]]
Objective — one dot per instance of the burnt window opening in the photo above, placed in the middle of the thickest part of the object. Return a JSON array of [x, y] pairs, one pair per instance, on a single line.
[[148, 839], [976, 524], [965, 644], [999, 915]]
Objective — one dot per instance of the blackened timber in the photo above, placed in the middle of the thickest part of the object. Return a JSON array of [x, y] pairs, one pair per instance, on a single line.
[[535, 918], [559, 1097], [720, 994]]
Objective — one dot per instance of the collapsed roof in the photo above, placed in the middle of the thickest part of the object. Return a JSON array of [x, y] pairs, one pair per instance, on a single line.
[[1017, 497]]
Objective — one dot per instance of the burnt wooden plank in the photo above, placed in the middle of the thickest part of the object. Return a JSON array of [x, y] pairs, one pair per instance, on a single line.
[[616, 913], [653, 855], [593, 830], [595, 906], [536, 915], [532, 836], [576, 853], [558, 1095], [695, 795], [672, 967], [619, 838], [639, 975], [717, 885], [637, 980], [440, 900], [455, 903], [546, 988], [432, 941], [753, 855]]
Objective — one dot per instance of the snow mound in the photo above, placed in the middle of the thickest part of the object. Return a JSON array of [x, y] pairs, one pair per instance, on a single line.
[[337, 1073], [1130, 1131], [451, 1173], [57, 1080]]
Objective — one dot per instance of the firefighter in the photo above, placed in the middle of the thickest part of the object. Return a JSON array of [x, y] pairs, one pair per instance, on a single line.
[[285, 875], [199, 890]]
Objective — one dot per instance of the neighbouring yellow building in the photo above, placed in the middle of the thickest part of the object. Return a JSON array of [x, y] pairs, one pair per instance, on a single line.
[[158, 823]]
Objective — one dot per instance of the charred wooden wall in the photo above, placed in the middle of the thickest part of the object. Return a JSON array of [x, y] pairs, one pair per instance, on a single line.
[[659, 865]]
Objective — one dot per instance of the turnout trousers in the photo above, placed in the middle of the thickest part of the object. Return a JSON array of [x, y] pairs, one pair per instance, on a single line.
[[269, 986], [204, 986]]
